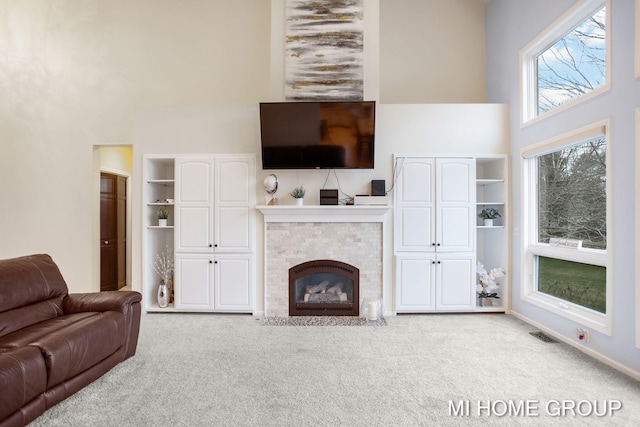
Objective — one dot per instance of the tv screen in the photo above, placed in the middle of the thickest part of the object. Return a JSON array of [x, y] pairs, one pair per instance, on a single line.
[[318, 135]]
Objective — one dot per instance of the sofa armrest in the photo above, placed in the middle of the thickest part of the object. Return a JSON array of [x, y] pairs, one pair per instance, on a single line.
[[101, 301], [125, 302]]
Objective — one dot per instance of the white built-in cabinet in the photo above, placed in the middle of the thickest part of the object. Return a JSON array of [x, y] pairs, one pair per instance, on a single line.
[[213, 231], [436, 232]]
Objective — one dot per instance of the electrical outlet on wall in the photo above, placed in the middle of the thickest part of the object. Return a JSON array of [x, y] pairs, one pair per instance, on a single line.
[[582, 335]]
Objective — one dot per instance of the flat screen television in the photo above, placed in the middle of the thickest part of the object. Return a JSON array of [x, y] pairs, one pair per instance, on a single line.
[[318, 135]]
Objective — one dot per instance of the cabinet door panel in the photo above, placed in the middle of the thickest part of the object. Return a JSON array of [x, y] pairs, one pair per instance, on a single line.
[[194, 181], [415, 284], [455, 201], [233, 178], [194, 229], [416, 229], [417, 181], [455, 180], [456, 231], [192, 282], [455, 282], [415, 202], [233, 283], [233, 234]]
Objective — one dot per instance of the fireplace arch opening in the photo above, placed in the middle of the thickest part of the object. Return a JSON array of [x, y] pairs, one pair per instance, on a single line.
[[324, 288]]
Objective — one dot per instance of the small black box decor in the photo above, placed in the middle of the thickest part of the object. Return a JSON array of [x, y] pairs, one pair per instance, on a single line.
[[377, 187], [328, 197]]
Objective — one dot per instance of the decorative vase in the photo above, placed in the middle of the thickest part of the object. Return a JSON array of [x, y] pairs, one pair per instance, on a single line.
[[162, 222], [163, 294], [488, 222], [486, 302], [300, 201]]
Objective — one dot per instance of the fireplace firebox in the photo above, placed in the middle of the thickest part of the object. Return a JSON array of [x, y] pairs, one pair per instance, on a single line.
[[324, 288]]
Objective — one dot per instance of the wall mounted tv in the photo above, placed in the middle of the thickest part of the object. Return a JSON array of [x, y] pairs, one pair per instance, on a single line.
[[318, 135]]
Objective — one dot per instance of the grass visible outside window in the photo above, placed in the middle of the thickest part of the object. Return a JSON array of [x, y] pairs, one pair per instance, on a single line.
[[581, 284]]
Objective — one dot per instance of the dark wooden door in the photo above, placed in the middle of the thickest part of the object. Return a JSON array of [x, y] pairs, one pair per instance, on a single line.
[[113, 241]]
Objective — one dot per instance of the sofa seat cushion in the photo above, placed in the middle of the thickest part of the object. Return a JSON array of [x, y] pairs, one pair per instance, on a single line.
[[26, 336], [80, 345], [72, 343], [23, 377]]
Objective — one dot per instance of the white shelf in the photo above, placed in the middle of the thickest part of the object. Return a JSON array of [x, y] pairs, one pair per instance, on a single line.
[[157, 226], [155, 308], [489, 203], [161, 181], [160, 204], [493, 226], [489, 181]]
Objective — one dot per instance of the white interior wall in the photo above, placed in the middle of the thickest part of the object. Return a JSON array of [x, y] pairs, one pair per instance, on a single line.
[[73, 75], [507, 33]]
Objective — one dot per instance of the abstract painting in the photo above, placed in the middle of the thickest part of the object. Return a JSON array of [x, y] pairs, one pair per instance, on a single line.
[[324, 50]]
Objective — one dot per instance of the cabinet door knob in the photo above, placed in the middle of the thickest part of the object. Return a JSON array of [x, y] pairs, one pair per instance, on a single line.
[[438, 244], [433, 262], [209, 244], [216, 245], [438, 262], [210, 261], [433, 244], [106, 242], [215, 262]]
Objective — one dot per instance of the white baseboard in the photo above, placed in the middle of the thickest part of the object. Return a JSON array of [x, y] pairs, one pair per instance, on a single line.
[[598, 356]]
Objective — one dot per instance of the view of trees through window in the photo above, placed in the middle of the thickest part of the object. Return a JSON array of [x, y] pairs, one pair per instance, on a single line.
[[572, 204], [573, 66], [572, 194]]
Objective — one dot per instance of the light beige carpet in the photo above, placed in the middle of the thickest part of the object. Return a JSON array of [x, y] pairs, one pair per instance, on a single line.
[[231, 370]]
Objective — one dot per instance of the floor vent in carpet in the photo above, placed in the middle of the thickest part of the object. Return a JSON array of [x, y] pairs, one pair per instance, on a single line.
[[544, 337]]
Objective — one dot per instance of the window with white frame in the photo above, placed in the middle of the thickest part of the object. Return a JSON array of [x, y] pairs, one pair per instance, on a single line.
[[566, 221], [567, 62]]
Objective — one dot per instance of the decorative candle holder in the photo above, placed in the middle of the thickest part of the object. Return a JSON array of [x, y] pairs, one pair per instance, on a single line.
[[371, 309]]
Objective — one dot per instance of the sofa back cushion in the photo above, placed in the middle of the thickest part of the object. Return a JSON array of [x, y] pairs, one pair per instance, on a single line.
[[31, 291]]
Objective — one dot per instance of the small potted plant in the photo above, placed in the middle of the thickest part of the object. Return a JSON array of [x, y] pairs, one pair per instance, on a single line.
[[298, 194], [163, 215], [489, 214]]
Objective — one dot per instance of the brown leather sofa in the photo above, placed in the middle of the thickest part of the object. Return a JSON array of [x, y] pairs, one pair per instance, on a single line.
[[53, 343]]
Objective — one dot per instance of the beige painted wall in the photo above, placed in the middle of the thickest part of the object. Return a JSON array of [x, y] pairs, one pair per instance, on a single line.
[[73, 74], [432, 51]]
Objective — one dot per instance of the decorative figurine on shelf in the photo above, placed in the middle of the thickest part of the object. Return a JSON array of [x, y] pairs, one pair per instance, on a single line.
[[487, 285], [271, 186], [163, 266]]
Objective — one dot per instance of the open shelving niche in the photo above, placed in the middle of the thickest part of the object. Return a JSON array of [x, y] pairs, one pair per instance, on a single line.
[[157, 191], [492, 242]]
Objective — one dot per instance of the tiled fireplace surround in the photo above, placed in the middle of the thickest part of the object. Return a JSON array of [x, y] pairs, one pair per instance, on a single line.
[[294, 235]]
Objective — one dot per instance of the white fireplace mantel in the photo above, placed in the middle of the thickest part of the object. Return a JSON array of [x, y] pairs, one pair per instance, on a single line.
[[323, 213]]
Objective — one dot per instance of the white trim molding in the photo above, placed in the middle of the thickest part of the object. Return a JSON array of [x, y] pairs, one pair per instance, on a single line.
[[637, 206]]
